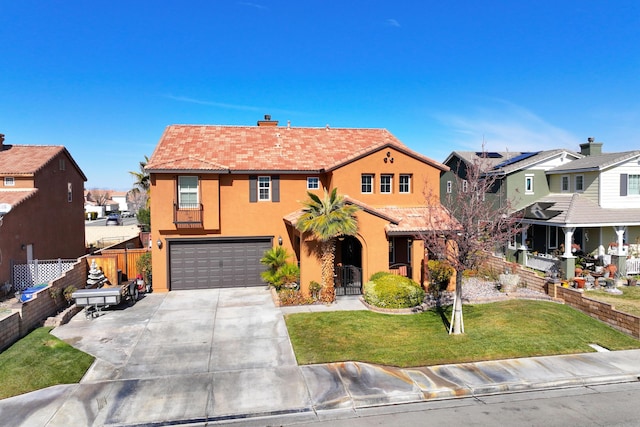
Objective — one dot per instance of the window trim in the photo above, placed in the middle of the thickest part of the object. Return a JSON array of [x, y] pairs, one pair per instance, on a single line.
[[370, 184], [629, 177], [310, 179], [388, 186], [529, 184], [181, 191], [69, 192], [449, 187], [562, 181], [9, 181], [575, 183], [465, 186], [261, 180], [407, 184]]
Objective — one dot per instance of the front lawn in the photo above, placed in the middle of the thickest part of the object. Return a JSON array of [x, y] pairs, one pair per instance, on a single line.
[[510, 329], [628, 302], [40, 360]]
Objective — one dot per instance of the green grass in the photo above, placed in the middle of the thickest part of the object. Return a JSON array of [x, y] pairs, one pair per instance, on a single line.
[[511, 329], [628, 302], [40, 360]]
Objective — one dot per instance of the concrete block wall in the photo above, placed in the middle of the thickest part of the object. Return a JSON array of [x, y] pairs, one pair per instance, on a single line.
[[627, 323], [528, 278], [33, 313], [9, 329]]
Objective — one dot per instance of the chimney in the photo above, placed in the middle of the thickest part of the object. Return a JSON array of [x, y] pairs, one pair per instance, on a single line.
[[591, 148], [267, 121], [1, 141]]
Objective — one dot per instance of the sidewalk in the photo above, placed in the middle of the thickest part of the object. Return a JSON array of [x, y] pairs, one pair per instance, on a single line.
[[229, 361]]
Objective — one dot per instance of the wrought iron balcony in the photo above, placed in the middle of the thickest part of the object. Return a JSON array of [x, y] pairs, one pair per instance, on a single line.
[[187, 215]]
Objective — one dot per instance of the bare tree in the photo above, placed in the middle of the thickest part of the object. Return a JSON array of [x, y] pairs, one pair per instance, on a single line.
[[482, 225], [100, 197]]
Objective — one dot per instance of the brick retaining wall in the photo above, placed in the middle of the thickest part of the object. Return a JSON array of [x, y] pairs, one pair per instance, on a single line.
[[28, 315], [627, 323], [528, 278]]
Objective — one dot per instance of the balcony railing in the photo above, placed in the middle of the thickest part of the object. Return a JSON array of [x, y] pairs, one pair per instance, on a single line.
[[187, 215]]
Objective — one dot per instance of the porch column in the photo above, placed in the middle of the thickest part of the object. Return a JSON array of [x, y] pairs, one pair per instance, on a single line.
[[568, 240], [620, 233]]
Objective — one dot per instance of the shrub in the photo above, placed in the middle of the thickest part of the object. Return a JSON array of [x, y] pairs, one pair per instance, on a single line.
[[440, 271], [314, 288], [293, 297], [375, 276], [143, 266], [392, 291], [280, 272]]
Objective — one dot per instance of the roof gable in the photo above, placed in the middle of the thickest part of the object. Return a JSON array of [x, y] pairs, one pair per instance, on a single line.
[[597, 162], [506, 162], [250, 148], [30, 159]]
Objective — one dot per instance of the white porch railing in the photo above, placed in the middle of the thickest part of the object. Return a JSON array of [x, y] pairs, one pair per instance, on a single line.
[[633, 266], [542, 263]]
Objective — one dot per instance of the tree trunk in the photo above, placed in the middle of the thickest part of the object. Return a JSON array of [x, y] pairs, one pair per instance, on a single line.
[[328, 293], [456, 317]]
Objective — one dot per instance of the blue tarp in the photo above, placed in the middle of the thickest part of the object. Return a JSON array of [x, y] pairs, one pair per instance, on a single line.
[[29, 293]]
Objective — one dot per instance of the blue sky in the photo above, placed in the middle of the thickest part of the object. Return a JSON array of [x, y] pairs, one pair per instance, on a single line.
[[105, 78]]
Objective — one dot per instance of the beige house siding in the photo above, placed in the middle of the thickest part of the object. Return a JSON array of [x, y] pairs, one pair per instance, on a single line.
[[610, 187]]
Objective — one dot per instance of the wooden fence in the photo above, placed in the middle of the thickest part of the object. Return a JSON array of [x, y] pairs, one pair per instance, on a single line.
[[113, 260]]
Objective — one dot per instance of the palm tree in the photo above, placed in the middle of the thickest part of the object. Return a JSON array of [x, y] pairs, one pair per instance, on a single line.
[[142, 182], [326, 219]]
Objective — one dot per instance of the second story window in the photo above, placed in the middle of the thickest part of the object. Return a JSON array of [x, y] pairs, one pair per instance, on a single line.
[[405, 184], [579, 183], [69, 192], [187, 192], [313, 183], [264, 188], [449, 187], [386, 184], [366, 184], [9, 181], [528, 184], [465, 186], [564, 184], [634, 185]]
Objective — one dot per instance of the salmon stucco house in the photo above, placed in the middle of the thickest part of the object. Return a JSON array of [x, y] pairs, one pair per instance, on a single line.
[[222, 195]]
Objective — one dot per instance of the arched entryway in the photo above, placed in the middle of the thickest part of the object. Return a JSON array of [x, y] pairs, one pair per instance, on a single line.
[[348, 268]]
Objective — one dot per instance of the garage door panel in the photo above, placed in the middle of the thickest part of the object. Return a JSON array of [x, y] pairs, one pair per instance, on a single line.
[[204, 264]]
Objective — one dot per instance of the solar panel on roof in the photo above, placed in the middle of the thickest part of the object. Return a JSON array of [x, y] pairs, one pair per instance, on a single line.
[[489, 155], [516, 159]]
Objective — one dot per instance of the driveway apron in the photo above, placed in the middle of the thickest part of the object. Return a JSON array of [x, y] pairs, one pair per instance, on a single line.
[[185, 355]]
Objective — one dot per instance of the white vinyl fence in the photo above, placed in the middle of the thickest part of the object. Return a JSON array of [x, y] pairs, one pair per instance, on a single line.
[[39, 271]]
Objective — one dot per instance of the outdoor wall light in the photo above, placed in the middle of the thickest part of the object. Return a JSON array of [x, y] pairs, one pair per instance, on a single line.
[[23, 247], [159, 243], [279, 240]]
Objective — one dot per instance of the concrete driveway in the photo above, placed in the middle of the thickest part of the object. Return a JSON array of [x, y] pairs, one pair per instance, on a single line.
[[180, 356], [183, 332]]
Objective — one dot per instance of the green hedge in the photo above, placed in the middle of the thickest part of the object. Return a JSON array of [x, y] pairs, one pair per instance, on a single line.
[[392, 291]]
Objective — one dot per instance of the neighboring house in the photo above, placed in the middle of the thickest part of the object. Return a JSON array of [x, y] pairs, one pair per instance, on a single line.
[[101, 207], [41, 205], [120, 197], [520, 176], [593, 206], [223, 195]]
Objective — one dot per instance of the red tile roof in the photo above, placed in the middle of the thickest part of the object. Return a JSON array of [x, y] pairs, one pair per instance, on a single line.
[[261, 148], [26, 159], [419, 218], [15, 197], [410, 220]]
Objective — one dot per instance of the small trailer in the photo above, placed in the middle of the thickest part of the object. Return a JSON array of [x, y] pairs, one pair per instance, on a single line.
[[94, 300]]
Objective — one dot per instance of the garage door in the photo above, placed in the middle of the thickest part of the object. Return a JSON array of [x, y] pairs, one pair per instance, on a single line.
[[206, 264]]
